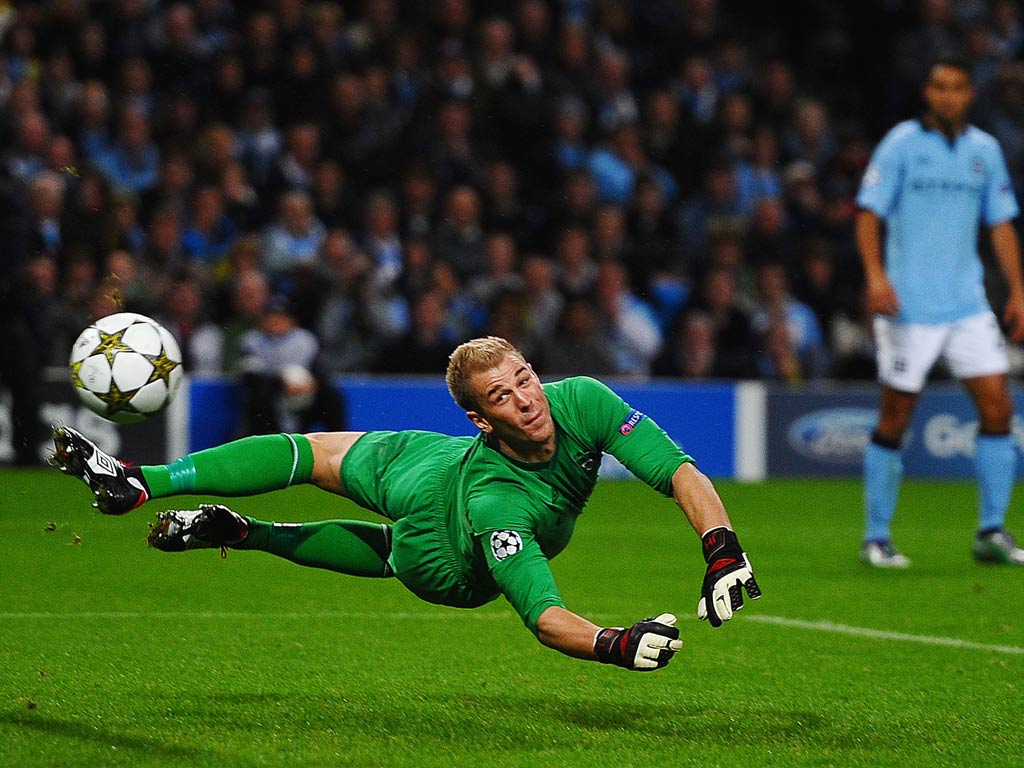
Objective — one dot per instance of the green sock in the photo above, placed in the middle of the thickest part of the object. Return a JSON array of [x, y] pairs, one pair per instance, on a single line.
[[354, 547], [241, 468]]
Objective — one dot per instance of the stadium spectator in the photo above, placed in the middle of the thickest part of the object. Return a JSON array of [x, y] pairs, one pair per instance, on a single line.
[[346, 341], [163, 254], [138, 289], [46, 203], [690, 351], [27, 155], [655, 255], [53, 328], [425, 345], [769, 238], [579, 345], [459, 240], [502, 273], [249, 291], [629, 325], [382, 242], [577, 271], [333, 199], [778, 309], [734, 337], [294, 238], [570, 148], [209, 230], [419, 203], [717, 207], [132, 162], [543, 301], [610, 237], [283, 386]]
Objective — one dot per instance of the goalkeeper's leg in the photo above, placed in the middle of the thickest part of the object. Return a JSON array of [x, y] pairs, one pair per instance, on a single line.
[[254, 465], [352, 547]]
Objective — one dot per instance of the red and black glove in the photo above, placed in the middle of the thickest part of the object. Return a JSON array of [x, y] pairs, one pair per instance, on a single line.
[[728, 574], [644, 647]]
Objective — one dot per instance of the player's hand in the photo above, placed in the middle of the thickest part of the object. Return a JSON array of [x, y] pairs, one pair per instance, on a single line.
[[647, 645], [728, 574], [1013, 317], [882, 298]]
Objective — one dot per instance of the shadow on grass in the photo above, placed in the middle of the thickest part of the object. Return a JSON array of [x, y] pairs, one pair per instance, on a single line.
[[486, 718], [106, 737], [695, 724]]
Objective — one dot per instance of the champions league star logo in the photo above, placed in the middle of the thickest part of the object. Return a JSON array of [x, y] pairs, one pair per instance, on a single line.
[[505, 544]]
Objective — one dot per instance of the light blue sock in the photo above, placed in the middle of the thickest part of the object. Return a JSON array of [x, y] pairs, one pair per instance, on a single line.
[[883, 470], [995, 463]]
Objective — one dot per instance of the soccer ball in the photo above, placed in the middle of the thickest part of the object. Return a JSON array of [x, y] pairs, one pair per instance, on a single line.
[[125, 367]]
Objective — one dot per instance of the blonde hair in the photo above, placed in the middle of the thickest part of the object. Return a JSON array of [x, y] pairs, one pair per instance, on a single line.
[[470, 358]]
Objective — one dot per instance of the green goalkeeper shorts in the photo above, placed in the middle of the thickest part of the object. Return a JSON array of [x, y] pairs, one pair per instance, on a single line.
[[406, 476]]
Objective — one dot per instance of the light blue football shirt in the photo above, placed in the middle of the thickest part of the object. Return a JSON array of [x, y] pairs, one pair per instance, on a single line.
[[932, 193]]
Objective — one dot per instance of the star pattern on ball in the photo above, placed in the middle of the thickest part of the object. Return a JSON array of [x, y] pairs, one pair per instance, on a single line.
[[118, 401], [76, 374], [162, 367], [110, 344]]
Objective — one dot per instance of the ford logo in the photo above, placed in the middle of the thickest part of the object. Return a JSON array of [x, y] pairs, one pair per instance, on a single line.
[[835, 435]]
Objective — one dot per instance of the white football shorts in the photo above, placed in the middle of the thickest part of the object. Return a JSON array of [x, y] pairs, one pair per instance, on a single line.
[[906, 352]]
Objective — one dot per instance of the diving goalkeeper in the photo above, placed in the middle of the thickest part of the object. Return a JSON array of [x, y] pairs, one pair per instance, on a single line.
[[471, 518]]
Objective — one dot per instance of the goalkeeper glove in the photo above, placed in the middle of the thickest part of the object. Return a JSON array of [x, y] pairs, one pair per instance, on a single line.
[[728, 574], [646, 646]]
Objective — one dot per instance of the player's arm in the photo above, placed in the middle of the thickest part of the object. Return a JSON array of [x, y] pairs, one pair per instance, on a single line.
[[647, 645], [697, 498], [881, 296], [650, 454], [1006, 247], [523, 574], [728, 569]]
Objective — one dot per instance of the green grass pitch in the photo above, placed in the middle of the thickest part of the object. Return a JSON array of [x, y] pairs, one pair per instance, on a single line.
[[115, 654]]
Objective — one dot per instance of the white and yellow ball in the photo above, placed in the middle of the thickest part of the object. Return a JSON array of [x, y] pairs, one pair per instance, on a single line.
[[125, 367]]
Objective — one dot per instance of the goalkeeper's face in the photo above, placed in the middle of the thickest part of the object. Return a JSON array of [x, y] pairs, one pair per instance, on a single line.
[[513, 407]]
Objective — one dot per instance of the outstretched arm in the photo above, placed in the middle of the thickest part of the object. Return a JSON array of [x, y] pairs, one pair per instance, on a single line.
[[524, 575], [728, 572], [563, 630], [647, 645], [697, 497]]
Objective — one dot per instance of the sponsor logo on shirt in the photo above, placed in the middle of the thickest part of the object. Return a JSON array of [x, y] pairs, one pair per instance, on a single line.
[[505, 544], [944, 186], [631, 421]]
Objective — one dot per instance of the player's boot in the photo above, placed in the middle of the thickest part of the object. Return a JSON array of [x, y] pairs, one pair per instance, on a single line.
[[210, 526], [883, 554], [115, 490], [997, 546]]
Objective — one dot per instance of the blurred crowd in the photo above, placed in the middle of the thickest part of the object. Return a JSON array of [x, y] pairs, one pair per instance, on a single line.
[[620, 187]]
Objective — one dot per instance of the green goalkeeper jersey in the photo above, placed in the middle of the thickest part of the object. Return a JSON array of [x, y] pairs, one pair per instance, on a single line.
[[472, 522]]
